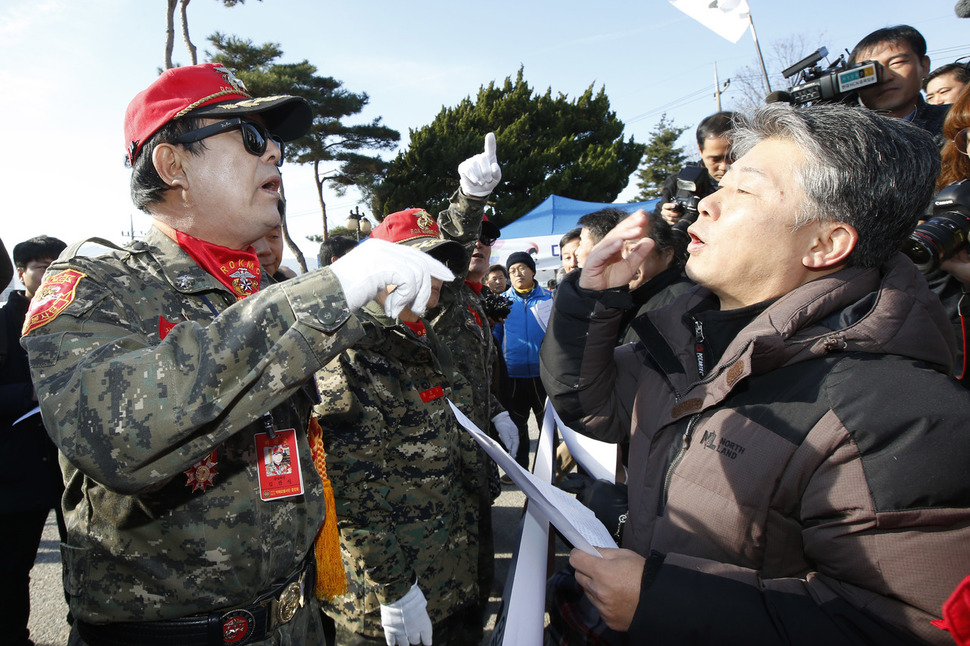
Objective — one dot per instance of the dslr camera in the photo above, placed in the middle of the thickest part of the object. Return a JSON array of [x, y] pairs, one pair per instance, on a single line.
[[946, 230], [836, 83], [687, 198]]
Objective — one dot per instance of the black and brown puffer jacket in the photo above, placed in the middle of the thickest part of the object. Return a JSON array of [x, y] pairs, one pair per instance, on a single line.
[[813, 487]]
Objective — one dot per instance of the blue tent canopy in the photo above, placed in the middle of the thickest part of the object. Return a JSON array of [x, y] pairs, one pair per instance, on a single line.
[[557, 215]]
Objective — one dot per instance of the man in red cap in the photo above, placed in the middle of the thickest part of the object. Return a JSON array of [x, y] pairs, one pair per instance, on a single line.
[[165, 376], [396, 459]]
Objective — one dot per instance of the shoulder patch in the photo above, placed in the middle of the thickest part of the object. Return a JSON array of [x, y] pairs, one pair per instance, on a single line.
[[54, 295]]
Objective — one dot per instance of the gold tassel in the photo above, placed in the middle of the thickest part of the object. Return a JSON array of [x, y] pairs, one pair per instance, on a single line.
[[331, 579]]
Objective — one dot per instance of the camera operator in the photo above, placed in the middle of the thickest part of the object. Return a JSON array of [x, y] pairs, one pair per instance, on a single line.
[[714, 144], [901, 50]]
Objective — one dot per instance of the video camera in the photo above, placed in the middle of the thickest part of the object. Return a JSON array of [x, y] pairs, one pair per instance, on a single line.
[[686, 198], [945, 232], [836, 83], [496, 306]]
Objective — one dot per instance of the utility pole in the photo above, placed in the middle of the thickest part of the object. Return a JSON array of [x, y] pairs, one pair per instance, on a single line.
[[718, 88]]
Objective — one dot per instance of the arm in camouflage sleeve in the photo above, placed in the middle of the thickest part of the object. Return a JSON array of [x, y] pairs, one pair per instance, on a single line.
[[462, 222], [352, 414], [131, 410]]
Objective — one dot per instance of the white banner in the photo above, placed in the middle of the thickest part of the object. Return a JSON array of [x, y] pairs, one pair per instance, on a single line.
[[726, 18]]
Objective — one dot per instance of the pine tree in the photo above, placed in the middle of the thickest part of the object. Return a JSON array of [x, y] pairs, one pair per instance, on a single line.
[[547, 144], [661, 159], [334, 148]]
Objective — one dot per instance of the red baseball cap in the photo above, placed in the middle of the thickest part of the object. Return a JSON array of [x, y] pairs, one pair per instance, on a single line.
[[208, 90], [416, 228]]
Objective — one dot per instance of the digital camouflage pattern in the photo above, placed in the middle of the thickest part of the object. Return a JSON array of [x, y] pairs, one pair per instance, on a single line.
[[393, 456], [462, 326], [460, 321], [131, 412]]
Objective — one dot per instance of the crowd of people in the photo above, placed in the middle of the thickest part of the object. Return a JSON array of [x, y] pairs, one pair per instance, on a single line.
[[241, 455]]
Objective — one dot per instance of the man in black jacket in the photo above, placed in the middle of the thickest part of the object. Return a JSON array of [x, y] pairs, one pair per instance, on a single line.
[[30, 481], [714, 145]]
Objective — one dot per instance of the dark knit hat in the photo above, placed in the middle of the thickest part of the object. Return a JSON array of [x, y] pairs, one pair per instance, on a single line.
[[521, 256]]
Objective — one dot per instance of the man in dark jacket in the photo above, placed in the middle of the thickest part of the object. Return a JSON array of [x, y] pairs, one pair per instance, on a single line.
[[714, 146], [30, 483], [798, 449]]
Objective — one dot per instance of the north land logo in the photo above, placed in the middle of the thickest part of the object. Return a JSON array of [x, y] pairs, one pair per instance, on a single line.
[[726, 448]]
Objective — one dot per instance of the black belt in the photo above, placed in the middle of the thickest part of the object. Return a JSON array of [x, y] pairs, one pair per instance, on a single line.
[[233, 627]]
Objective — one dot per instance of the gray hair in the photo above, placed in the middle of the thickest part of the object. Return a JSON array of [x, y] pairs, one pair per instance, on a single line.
[[872, 172]]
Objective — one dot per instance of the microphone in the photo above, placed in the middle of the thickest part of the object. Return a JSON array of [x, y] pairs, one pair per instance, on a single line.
[[781, 95], [962, 9]]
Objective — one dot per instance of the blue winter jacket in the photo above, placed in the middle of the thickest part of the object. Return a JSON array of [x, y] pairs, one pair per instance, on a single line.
[[521, 335]]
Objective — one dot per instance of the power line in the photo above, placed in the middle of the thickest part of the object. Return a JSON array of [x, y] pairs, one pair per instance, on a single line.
[[687, 99]]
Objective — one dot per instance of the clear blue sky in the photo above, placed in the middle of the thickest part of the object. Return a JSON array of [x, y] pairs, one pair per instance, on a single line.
[[68, 69]]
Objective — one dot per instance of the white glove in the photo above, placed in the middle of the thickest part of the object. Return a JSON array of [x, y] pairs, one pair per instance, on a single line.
[[480, 174], [406, 621], [373, 265], [508, 432]]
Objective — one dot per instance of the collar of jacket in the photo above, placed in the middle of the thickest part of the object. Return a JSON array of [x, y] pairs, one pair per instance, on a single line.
[[889, 310], [179, 268]]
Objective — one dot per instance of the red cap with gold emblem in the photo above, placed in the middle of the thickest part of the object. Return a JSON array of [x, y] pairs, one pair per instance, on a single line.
[[416, 228], [208, 90]]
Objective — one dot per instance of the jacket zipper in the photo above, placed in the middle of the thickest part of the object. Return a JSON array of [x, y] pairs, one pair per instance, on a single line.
[[684, 445], [699, 348]]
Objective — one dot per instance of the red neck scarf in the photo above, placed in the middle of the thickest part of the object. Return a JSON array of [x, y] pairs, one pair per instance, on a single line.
[[475, 287], [417, 327], [237, 270]]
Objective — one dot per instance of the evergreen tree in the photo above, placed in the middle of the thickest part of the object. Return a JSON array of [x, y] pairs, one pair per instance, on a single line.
[[661, 159], [333, 147], [547, 144]]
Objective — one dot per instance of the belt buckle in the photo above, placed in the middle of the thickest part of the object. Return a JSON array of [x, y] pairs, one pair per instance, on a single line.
[[290, 601], [237, 627]]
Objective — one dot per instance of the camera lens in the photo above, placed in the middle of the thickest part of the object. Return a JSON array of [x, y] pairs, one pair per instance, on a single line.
[[937, 239]]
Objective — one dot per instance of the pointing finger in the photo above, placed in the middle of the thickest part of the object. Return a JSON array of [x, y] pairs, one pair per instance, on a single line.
[[491, 149]]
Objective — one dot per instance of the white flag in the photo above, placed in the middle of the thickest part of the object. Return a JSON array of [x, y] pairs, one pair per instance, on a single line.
[[727, 18]]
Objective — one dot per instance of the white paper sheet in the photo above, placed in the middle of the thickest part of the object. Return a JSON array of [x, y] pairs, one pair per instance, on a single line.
[[598, 458], [542, 311], [577, 523], [523, 613]]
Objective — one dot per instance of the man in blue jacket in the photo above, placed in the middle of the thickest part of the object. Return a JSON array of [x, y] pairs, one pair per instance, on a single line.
[[520, 338]]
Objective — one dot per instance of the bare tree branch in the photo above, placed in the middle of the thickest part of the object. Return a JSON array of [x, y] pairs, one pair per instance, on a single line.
[[170, 33], [185, 33], [286, 234]]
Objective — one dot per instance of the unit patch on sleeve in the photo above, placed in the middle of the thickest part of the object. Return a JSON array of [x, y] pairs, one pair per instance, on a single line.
[[53, 297]]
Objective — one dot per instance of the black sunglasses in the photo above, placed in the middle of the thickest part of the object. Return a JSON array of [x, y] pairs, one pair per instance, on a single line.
[[486, 241], [254, 135]]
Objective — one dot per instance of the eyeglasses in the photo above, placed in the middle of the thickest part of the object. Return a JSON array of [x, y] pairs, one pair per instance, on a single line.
[[486, 241], [960, 141], [255, 137]]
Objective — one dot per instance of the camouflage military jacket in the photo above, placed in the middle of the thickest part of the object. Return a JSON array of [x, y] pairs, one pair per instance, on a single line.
[[132, 411], [393, 456], [462, 326]]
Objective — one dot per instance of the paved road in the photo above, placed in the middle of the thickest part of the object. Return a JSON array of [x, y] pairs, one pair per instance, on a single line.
[[48, 625]]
